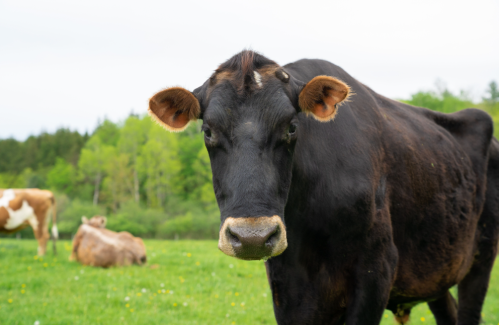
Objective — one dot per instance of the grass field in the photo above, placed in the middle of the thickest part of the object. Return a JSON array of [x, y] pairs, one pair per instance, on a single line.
[[185, 282]]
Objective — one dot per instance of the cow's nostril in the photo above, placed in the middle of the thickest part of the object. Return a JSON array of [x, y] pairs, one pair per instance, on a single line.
[[234, 239], [273, 237]]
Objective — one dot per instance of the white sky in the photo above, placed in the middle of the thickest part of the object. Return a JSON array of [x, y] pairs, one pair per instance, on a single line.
[[69, 63]]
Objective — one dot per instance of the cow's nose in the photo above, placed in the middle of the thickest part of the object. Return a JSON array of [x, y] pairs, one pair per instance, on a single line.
[[253, 238], [248, 242]]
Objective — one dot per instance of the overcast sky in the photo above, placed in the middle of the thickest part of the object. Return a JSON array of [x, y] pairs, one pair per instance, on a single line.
[[69, 63]]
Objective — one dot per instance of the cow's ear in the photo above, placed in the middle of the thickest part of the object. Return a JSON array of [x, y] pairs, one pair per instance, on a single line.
[[104, 222], [321, 96], [84, 220], [174, 108]]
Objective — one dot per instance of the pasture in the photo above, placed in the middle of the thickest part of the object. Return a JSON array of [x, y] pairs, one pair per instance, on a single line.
[[184, 282]]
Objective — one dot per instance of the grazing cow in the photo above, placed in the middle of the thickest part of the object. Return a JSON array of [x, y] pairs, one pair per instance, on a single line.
[[375, 204], [20, 208], [96, 246]]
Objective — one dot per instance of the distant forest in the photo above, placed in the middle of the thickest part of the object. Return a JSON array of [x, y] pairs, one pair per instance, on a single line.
[[147, 181]]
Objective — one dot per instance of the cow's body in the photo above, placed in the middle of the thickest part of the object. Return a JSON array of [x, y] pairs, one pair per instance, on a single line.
[[389, 205], [20, 208], [394, 198], [97, 246]]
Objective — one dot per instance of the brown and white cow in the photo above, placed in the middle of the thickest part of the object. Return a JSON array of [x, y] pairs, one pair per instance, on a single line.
[[96, 246], [20, 208]]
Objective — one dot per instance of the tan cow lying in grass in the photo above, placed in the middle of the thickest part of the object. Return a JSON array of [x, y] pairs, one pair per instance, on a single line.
[[96, 246]]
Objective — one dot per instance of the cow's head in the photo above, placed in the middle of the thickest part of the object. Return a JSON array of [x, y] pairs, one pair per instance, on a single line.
[[95, 221], [249, 108]]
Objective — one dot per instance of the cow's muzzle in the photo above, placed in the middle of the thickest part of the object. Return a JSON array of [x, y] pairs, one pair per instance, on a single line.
[[253, 238]]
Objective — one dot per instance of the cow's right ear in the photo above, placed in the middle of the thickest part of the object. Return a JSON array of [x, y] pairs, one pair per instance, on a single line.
[[174, 108], [84, 220]]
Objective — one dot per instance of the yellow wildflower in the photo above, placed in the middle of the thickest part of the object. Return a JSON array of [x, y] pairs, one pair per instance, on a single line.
[[45, 265], [236, 294], [422, 319], [10, 301], [22, 291], [131, 310], [233, 304], [127, 305], [175, 305], [139, 294]]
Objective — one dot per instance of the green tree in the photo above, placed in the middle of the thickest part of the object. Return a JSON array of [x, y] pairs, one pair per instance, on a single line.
[[493, 92], [62, 176], [118, 184], [132, 137], [442, 101], [158, 164], [92, 163], [108, 132]]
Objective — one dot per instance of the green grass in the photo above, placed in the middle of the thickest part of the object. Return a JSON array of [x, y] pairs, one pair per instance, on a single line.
[[185, 282]]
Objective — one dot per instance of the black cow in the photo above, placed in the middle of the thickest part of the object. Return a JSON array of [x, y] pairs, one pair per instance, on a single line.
[[375, 204]]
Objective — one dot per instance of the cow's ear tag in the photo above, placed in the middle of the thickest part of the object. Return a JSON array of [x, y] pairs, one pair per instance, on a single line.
[[174, 108], [322, 95], [84, 220]]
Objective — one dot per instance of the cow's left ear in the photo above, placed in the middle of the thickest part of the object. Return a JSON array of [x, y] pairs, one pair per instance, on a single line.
[[174, 108], [84, 220], [321, 96], [104, 222]]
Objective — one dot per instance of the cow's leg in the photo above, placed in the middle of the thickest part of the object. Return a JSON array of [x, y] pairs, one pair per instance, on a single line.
[[39, 223], [373, 278], [473, 288], [472, 291], [42, 236], [444, 309]]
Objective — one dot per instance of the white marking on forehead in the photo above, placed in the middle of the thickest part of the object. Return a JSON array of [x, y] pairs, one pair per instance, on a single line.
[[258, 79], [18, 217]]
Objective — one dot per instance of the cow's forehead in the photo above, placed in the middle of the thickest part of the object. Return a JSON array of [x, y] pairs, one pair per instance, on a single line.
[[269, 105]]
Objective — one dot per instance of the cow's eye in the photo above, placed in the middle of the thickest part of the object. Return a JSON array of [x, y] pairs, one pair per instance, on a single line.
[[207, 134], [292, 129]]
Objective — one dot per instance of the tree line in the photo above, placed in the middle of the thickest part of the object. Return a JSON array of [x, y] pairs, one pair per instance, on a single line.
[[147, 181]]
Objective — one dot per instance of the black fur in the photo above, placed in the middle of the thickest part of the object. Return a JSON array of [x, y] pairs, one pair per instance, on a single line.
[[387, 206]]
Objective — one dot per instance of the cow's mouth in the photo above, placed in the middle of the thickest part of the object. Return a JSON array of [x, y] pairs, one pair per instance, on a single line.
[[253, 238]]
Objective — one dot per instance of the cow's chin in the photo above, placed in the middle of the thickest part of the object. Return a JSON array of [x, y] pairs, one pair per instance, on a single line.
[[253, 238]]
